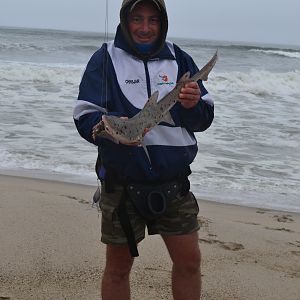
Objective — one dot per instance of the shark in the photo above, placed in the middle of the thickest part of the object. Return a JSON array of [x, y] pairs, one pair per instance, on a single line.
[[132, 130]]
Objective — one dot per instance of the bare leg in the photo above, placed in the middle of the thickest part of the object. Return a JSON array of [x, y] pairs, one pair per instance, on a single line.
[[115, 280], [186, 276]]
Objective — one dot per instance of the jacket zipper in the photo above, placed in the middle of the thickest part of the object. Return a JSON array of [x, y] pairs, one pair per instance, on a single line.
[[147, 79], [149, 95]]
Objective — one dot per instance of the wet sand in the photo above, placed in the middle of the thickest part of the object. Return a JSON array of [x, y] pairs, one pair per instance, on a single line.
[[50, 248]]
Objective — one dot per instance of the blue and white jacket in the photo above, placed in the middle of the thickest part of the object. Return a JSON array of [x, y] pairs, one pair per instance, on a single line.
[[116, 82]]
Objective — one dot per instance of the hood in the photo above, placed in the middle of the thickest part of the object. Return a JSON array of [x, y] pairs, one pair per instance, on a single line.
[[126, 5]]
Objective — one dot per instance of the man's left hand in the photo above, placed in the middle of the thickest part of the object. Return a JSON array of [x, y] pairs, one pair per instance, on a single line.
[[190, 95]]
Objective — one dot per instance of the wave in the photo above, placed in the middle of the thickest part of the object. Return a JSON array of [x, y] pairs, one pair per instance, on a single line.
[[87, 48], [250, 47], [256, 82], [190, 43], [21, 47], [26, 73], [285, 53]]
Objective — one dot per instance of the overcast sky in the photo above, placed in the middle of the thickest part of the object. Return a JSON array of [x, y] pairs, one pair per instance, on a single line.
[[266, 21]]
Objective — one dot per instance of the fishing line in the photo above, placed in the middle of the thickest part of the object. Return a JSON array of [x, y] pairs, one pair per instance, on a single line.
[[105, 63], [97, 196], [106, 22]]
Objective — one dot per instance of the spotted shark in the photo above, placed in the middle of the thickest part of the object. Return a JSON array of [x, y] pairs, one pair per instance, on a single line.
[[132, 130]]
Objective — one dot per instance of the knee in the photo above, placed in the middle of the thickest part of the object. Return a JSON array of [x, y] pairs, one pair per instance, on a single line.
[[118, 271], [118, 262], [189, 264]]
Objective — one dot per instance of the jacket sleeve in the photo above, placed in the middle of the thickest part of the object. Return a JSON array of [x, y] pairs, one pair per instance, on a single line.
[[200, 117], [93, 98]]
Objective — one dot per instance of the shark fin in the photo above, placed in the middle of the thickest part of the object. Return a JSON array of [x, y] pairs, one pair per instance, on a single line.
[[168, 119], [185, 77], [146, 151], [152, 100]]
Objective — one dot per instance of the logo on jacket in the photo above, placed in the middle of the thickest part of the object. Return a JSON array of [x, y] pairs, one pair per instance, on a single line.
[[165, 80], [132, 81]]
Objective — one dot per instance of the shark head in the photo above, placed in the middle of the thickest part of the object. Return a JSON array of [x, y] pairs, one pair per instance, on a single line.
[[121, 129]]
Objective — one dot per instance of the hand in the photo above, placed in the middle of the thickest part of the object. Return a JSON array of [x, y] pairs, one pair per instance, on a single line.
[[190, 95]]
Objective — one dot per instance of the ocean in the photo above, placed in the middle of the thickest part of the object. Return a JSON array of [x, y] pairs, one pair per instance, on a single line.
[[249, 156]]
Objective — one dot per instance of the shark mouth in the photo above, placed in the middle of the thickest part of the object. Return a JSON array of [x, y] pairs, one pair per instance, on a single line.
[[107, 128]]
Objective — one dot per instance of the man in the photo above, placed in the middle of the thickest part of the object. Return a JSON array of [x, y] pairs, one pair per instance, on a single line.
[[118, 80]]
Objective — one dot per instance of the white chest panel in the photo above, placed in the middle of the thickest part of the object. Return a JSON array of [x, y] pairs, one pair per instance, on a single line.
[[131, 75]]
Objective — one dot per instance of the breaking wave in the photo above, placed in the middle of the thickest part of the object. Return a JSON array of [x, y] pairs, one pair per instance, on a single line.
[[285, 53], [257, 82], [47, 73]]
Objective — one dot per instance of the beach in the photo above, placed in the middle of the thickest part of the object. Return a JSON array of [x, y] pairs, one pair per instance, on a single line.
[[248, 159], [51, 249]]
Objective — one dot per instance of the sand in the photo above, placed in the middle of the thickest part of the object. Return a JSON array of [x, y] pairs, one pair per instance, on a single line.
[[50, 248]]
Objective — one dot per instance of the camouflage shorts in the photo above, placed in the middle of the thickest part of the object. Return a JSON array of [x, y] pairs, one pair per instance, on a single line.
[[179, 218]]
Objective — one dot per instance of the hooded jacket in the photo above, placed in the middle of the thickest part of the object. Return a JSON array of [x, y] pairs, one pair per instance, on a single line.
[[126, 7], [118, 81]]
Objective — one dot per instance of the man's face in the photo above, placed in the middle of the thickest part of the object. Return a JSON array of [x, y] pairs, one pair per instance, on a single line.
[[144, 23]]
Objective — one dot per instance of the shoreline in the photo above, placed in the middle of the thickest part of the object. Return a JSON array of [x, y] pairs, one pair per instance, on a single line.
[[51, 249], [72, 179]]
